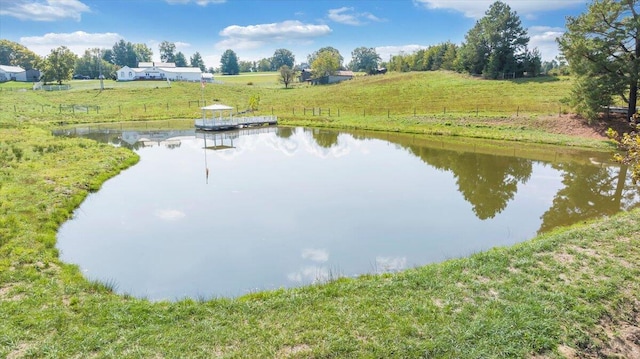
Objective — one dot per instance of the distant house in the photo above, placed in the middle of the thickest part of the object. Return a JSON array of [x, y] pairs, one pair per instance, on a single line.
[[12, 73], [159, 71], [307, 76]]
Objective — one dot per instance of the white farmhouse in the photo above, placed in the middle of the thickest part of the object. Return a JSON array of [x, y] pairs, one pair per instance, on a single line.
[[12, 73], [159, 71]]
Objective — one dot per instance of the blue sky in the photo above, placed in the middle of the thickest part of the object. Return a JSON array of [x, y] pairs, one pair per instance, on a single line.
[[255, 29]]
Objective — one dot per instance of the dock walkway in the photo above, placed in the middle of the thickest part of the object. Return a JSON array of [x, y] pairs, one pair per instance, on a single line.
[[223, 124]]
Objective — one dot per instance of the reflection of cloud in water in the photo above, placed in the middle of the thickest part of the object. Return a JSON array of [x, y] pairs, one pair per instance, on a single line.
[[316, 255], [310, 274], [342, 148], [170, 214], [285, 145], [390, 264]]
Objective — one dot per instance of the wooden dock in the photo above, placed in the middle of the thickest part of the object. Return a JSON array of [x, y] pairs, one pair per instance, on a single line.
[[224, 124], [219, 117]]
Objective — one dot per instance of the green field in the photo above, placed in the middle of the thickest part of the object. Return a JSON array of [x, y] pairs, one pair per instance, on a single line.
[[570, 293], [440, 94]]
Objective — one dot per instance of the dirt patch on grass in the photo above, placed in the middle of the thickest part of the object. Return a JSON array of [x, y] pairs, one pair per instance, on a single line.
[[575, 125]]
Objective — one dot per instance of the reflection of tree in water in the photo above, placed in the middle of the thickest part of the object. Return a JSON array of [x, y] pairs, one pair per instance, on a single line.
[[323, 138], [488, 182], [589, 192], [284, 132]]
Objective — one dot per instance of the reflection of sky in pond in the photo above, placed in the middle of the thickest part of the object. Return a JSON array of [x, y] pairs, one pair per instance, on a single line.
[[281, 211]]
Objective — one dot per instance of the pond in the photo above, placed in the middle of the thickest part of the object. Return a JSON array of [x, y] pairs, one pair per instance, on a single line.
[[224, 214]]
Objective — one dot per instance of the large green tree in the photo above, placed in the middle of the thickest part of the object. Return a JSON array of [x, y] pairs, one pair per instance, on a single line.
[[197, 61], [58, 65], [311, 58], [264, 65], [92, 64], [282, 57], [325, 64], [143, 52], [496, 45], [602, 47], [167, 51], [124, 54], [14, 54], [364, 59], [229, 63], [180, 60], [246, 66]]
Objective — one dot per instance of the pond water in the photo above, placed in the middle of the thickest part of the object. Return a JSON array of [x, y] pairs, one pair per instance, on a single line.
[[225, 214]]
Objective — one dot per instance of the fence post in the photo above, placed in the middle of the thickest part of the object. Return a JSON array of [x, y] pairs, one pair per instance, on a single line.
[[60, 107], [364, 112], [294, 111], [445, 110], [476, 110], [304, 110], [338, 112], [414, 112], [388, 113], [329, 111], [167, 106], [145, 107], [271, 111], [14, 108], [120, 109], [518, 111]]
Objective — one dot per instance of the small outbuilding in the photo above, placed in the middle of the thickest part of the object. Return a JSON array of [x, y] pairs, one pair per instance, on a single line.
[[12, 73]]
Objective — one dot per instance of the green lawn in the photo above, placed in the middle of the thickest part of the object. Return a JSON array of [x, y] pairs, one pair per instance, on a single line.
[[572, 291]]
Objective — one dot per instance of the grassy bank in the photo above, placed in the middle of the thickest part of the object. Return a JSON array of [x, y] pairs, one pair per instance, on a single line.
[[572, 291]]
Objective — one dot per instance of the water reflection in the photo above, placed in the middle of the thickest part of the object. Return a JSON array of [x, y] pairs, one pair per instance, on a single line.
[[288, 206], [487, 182]]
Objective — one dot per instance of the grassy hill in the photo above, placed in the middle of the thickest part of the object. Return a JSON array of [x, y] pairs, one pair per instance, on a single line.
[[390, 95]]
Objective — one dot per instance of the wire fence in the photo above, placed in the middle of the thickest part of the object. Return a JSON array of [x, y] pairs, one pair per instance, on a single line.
[[191, 109]]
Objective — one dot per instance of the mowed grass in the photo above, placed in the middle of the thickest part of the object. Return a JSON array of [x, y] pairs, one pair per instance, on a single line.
[[572, 291]]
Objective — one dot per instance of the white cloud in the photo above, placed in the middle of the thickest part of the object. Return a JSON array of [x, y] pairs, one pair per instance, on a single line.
[[170, 214], [477, 8], [254, 36], [77, 42], [346, 15], [47, 10], [199, 2], [544, 38], [316, 255]]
